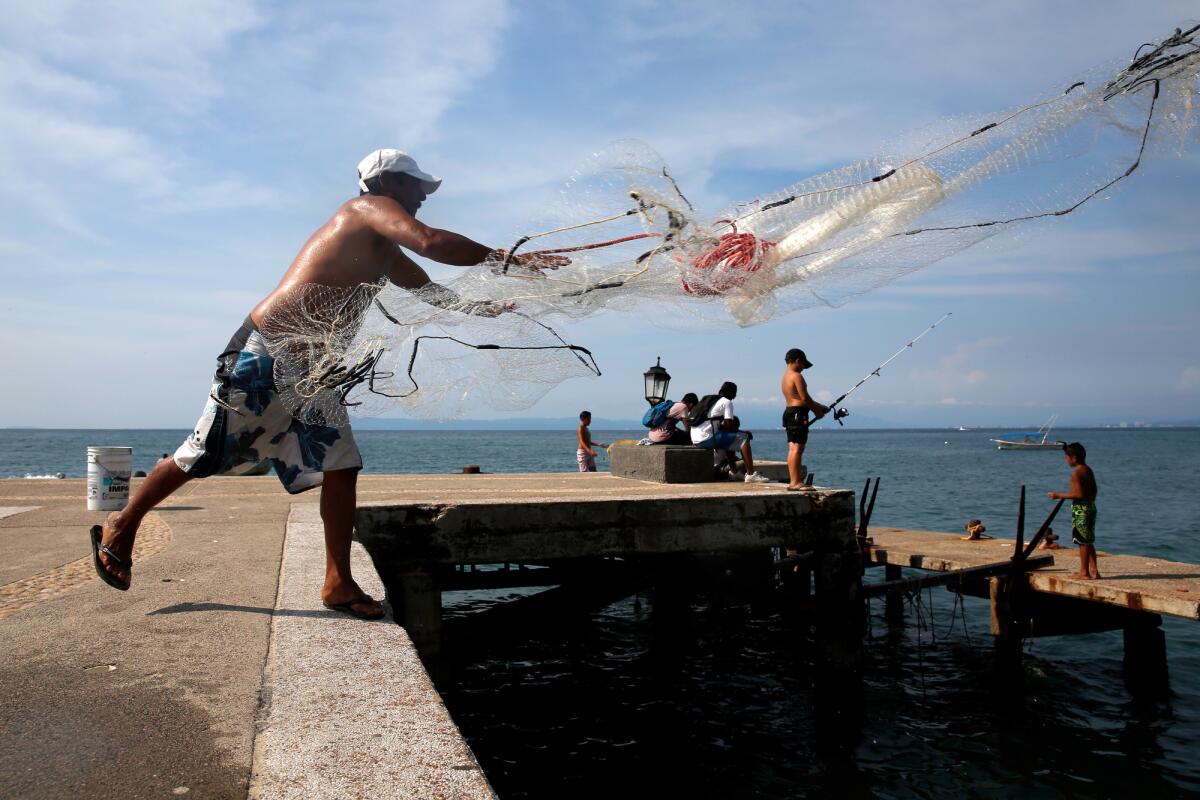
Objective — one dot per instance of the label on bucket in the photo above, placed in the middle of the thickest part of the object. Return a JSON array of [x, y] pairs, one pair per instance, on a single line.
[[108, 477], [116, 487]]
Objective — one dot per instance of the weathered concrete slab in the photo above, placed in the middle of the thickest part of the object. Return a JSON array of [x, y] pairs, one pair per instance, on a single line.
[[349, 710], [145, 693], [490, 518], [1136, 582], [680, 464], [777, 470], [662, 463]]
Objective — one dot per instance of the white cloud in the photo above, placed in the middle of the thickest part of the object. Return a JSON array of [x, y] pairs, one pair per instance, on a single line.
[[965, 353], [958, 372], [1189, 380], [167, 56]]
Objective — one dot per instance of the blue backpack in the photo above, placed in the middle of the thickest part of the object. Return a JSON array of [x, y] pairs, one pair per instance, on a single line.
[[656, 415]]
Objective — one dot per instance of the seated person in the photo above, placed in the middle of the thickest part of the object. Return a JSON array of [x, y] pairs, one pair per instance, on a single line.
[[668, 433], [732, 457], [718, 433]]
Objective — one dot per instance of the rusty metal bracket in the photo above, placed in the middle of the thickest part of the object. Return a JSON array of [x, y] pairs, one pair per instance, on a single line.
[[951, 576], [865, 510]]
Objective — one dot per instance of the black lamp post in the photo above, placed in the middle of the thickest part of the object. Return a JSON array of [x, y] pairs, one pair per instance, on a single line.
[[657, 380]]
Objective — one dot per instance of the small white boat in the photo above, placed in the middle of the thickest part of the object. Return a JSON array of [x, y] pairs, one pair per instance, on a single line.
[[1030, 441], [963, 428]]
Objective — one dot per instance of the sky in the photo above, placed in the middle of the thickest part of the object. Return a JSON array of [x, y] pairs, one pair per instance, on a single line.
[[162, 163]]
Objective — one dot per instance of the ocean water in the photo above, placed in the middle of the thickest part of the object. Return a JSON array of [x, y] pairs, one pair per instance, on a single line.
[[731, 702]]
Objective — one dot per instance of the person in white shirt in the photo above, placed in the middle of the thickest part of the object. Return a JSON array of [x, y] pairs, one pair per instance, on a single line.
[[717, 433]]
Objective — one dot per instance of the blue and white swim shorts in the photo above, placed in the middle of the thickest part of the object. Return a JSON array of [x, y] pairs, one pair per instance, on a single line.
[[244, 423]]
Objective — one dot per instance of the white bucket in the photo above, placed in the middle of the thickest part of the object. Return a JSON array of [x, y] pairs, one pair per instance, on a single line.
[[108, 473]]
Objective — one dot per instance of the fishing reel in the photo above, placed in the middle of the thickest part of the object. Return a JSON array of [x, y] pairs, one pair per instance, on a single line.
[[840, 414]]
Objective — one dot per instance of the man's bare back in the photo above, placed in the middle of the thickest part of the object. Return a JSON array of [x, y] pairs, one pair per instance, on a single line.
[[361, 243]]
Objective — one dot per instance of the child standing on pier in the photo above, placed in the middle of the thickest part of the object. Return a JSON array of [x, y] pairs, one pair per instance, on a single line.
[[585, 456], [1082, 495]]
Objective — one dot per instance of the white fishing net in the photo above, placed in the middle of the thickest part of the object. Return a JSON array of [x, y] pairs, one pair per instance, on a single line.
[[638, 245], [374, 348]]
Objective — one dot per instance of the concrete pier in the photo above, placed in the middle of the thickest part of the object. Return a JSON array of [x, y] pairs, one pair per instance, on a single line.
[[219, 674], [543, 518]]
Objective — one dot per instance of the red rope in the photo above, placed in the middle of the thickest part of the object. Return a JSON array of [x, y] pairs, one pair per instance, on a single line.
[[595, 245], [733, 259]]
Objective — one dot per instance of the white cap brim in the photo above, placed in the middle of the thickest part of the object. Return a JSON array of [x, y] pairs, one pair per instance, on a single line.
[[391, 160]]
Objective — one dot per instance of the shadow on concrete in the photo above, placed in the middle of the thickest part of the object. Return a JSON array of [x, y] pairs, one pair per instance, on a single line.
[[186, 608]]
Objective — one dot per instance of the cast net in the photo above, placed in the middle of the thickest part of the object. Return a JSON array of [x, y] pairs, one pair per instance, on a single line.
[[375, 348], [638, 245]]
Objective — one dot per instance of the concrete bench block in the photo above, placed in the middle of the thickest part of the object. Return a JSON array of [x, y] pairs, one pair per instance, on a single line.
[[777, 470], [663, 463]]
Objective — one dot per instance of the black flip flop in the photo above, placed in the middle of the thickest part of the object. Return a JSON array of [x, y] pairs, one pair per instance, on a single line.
[[97, 536], [348, 608]]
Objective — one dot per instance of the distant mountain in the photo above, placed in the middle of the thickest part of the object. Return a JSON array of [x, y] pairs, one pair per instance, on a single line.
[[751, 419], [511, 424]]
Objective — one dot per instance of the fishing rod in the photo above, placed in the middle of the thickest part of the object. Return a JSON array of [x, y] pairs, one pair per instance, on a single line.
[[841, 413]]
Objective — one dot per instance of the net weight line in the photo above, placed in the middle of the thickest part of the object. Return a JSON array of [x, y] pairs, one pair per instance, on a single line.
[[342, 380]]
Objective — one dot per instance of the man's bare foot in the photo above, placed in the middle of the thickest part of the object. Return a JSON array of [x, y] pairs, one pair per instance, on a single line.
[[800, 487], [121, 543]]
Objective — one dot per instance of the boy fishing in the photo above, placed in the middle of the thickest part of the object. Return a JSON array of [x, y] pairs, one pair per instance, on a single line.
[[1082, 495], [795, 415]]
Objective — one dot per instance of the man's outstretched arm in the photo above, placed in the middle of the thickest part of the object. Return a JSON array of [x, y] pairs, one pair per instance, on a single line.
[[407, 274], [390, 220]]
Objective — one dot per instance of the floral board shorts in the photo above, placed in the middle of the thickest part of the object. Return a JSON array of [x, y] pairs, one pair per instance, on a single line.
[[1083, 522], [244, 423]]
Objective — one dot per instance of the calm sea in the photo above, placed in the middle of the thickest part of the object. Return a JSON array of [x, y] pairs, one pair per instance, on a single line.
[[730, 708]]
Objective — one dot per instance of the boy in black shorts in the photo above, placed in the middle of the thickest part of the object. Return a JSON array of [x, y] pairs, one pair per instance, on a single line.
[[795, 416]]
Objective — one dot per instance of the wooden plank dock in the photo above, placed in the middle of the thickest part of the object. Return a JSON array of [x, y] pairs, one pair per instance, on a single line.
[[1139, 583]]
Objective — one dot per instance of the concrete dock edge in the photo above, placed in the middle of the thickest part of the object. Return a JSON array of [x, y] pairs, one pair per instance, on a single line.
[[348, 709]]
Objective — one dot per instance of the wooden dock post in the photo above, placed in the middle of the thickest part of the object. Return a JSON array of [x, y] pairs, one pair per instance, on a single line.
[[417, 606], [1145, 663], [894, 601], [839, 587]]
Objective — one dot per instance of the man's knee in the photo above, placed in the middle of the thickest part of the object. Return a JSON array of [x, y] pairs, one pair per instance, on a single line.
[[339, 482]]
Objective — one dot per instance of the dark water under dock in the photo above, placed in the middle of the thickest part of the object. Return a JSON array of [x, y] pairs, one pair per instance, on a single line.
[[731, 700]]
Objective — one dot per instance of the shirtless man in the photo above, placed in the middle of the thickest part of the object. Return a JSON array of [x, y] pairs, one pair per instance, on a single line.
[[1082, 494], [795, 416], [244, 423]]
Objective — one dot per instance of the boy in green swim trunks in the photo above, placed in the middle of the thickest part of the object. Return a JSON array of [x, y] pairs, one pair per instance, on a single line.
[[1082, 495]]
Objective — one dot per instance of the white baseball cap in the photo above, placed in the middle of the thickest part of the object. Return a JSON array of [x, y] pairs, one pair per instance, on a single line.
[[390, 160]]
